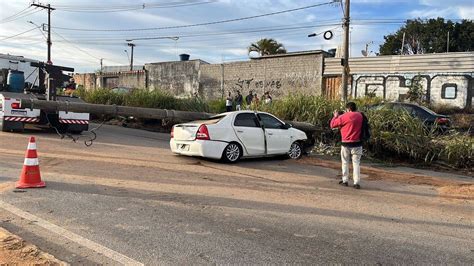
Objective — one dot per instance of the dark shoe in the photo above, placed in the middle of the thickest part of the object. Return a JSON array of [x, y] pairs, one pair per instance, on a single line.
[[357, 186], [342, 183]]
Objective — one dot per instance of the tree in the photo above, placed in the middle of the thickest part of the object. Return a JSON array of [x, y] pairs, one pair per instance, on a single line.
[[267, 47], [430, 36]]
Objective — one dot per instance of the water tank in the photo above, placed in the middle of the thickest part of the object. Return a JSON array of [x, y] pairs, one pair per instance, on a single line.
[[183, 57], [16, 81]]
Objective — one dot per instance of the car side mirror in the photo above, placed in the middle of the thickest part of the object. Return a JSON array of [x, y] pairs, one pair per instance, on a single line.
[[286, 126]]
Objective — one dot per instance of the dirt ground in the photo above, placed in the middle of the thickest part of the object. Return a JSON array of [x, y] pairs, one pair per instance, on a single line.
[[448, 188], [15, 251]]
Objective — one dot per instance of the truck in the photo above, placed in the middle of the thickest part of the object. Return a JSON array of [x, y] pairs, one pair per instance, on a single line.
[[23, 79]]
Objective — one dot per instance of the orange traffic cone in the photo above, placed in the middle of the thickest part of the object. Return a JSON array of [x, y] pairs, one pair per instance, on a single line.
[[30, 175]]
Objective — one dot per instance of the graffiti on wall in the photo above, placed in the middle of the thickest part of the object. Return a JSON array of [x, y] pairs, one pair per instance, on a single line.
[[447, 89], [257, 86]]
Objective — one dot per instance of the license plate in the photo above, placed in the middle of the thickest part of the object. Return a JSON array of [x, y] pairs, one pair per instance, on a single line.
[[183, 147], [18, 112]]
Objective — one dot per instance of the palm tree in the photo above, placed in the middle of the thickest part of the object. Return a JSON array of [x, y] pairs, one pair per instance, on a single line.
[[267, 47]]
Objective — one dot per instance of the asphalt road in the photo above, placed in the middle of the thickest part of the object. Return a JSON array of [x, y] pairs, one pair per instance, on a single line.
[[127, 199]]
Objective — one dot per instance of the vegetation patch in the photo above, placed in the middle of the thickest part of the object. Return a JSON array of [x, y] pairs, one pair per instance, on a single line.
[[395, 135]]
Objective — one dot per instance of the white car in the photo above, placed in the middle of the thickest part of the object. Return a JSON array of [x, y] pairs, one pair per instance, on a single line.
[[234, 135]]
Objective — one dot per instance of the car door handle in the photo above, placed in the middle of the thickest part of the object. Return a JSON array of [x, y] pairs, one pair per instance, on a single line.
[[270, 134], [240, 131]]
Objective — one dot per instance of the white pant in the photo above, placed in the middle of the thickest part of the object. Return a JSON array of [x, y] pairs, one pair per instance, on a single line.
[[346, 154], [237, 107]]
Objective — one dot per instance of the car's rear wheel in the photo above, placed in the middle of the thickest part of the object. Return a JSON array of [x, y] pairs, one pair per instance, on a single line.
[[232, 153], [296, 150]]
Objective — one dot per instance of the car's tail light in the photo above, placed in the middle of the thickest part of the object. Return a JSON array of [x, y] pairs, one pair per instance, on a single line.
[[172, 132], [15, 105], [442, 120], [203, 133]]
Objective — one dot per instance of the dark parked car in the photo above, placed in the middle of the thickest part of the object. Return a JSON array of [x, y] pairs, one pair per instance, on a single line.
[[429, 117]]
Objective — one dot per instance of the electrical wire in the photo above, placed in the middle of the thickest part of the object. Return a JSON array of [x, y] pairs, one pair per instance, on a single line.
[[77, 47], [22, 15], [140, 7], [14, 15], [210, 33], [201, 24], [21, 33]]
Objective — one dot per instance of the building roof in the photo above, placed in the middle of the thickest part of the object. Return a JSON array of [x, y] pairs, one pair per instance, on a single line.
[[17, 58]]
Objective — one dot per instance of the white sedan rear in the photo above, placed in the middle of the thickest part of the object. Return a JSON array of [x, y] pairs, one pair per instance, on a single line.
[[234, 135]]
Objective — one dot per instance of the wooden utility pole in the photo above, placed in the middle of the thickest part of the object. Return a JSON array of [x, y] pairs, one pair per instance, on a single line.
[[101, 64], [48, 41], [345, 59], [131, 56]]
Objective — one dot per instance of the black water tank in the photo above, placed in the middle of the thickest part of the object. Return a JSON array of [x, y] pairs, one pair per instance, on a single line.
[[183, 57]]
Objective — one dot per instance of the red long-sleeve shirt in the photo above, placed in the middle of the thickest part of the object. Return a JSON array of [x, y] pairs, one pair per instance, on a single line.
[[350, 124]]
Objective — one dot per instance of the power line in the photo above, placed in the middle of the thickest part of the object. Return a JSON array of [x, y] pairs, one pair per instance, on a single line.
[[76, 47], [201, 24], [136, 7], [21, 33], [210, 33], [72, 44], [14, 15], [25, 14]]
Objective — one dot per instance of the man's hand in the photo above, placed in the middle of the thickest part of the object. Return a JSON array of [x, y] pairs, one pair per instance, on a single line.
[[336, 113]]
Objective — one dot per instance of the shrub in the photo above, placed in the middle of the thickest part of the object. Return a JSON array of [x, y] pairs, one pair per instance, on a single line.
[[305, 108], [397, 134], [458, 150]]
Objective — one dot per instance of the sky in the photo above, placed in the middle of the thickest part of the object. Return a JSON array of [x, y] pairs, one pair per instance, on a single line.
[[85, 31]]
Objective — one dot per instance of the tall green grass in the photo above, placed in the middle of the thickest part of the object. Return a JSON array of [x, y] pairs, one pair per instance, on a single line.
[[394, 134]]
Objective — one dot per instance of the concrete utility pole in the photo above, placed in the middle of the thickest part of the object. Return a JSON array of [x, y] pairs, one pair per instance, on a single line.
[[447, 45], [403, 44], [48, 42], [131, 56], [345, 59], [151, 113]]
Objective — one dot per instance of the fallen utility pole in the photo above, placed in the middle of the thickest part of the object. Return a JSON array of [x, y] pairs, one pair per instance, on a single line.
[[114, 110], [138, 112]]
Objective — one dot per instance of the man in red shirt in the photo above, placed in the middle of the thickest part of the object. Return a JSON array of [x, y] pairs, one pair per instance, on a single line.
[[350, 125]]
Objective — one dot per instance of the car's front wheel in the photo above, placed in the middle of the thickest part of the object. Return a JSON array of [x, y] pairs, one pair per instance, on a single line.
[[232, 153], [296, 150]]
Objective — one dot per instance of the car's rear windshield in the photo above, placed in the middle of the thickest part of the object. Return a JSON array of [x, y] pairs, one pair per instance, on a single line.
[[211, 120], [428, 110]]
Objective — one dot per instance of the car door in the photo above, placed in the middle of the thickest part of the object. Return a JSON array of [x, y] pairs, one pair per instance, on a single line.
[[250, 133], [278, 137]]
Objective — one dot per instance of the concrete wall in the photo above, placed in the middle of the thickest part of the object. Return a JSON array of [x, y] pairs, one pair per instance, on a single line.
[[280, 75], [180, 78], [447, 79], [131, 79], [449, 89]]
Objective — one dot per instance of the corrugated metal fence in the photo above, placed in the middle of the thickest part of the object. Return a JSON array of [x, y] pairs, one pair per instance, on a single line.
[[447, 62]]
